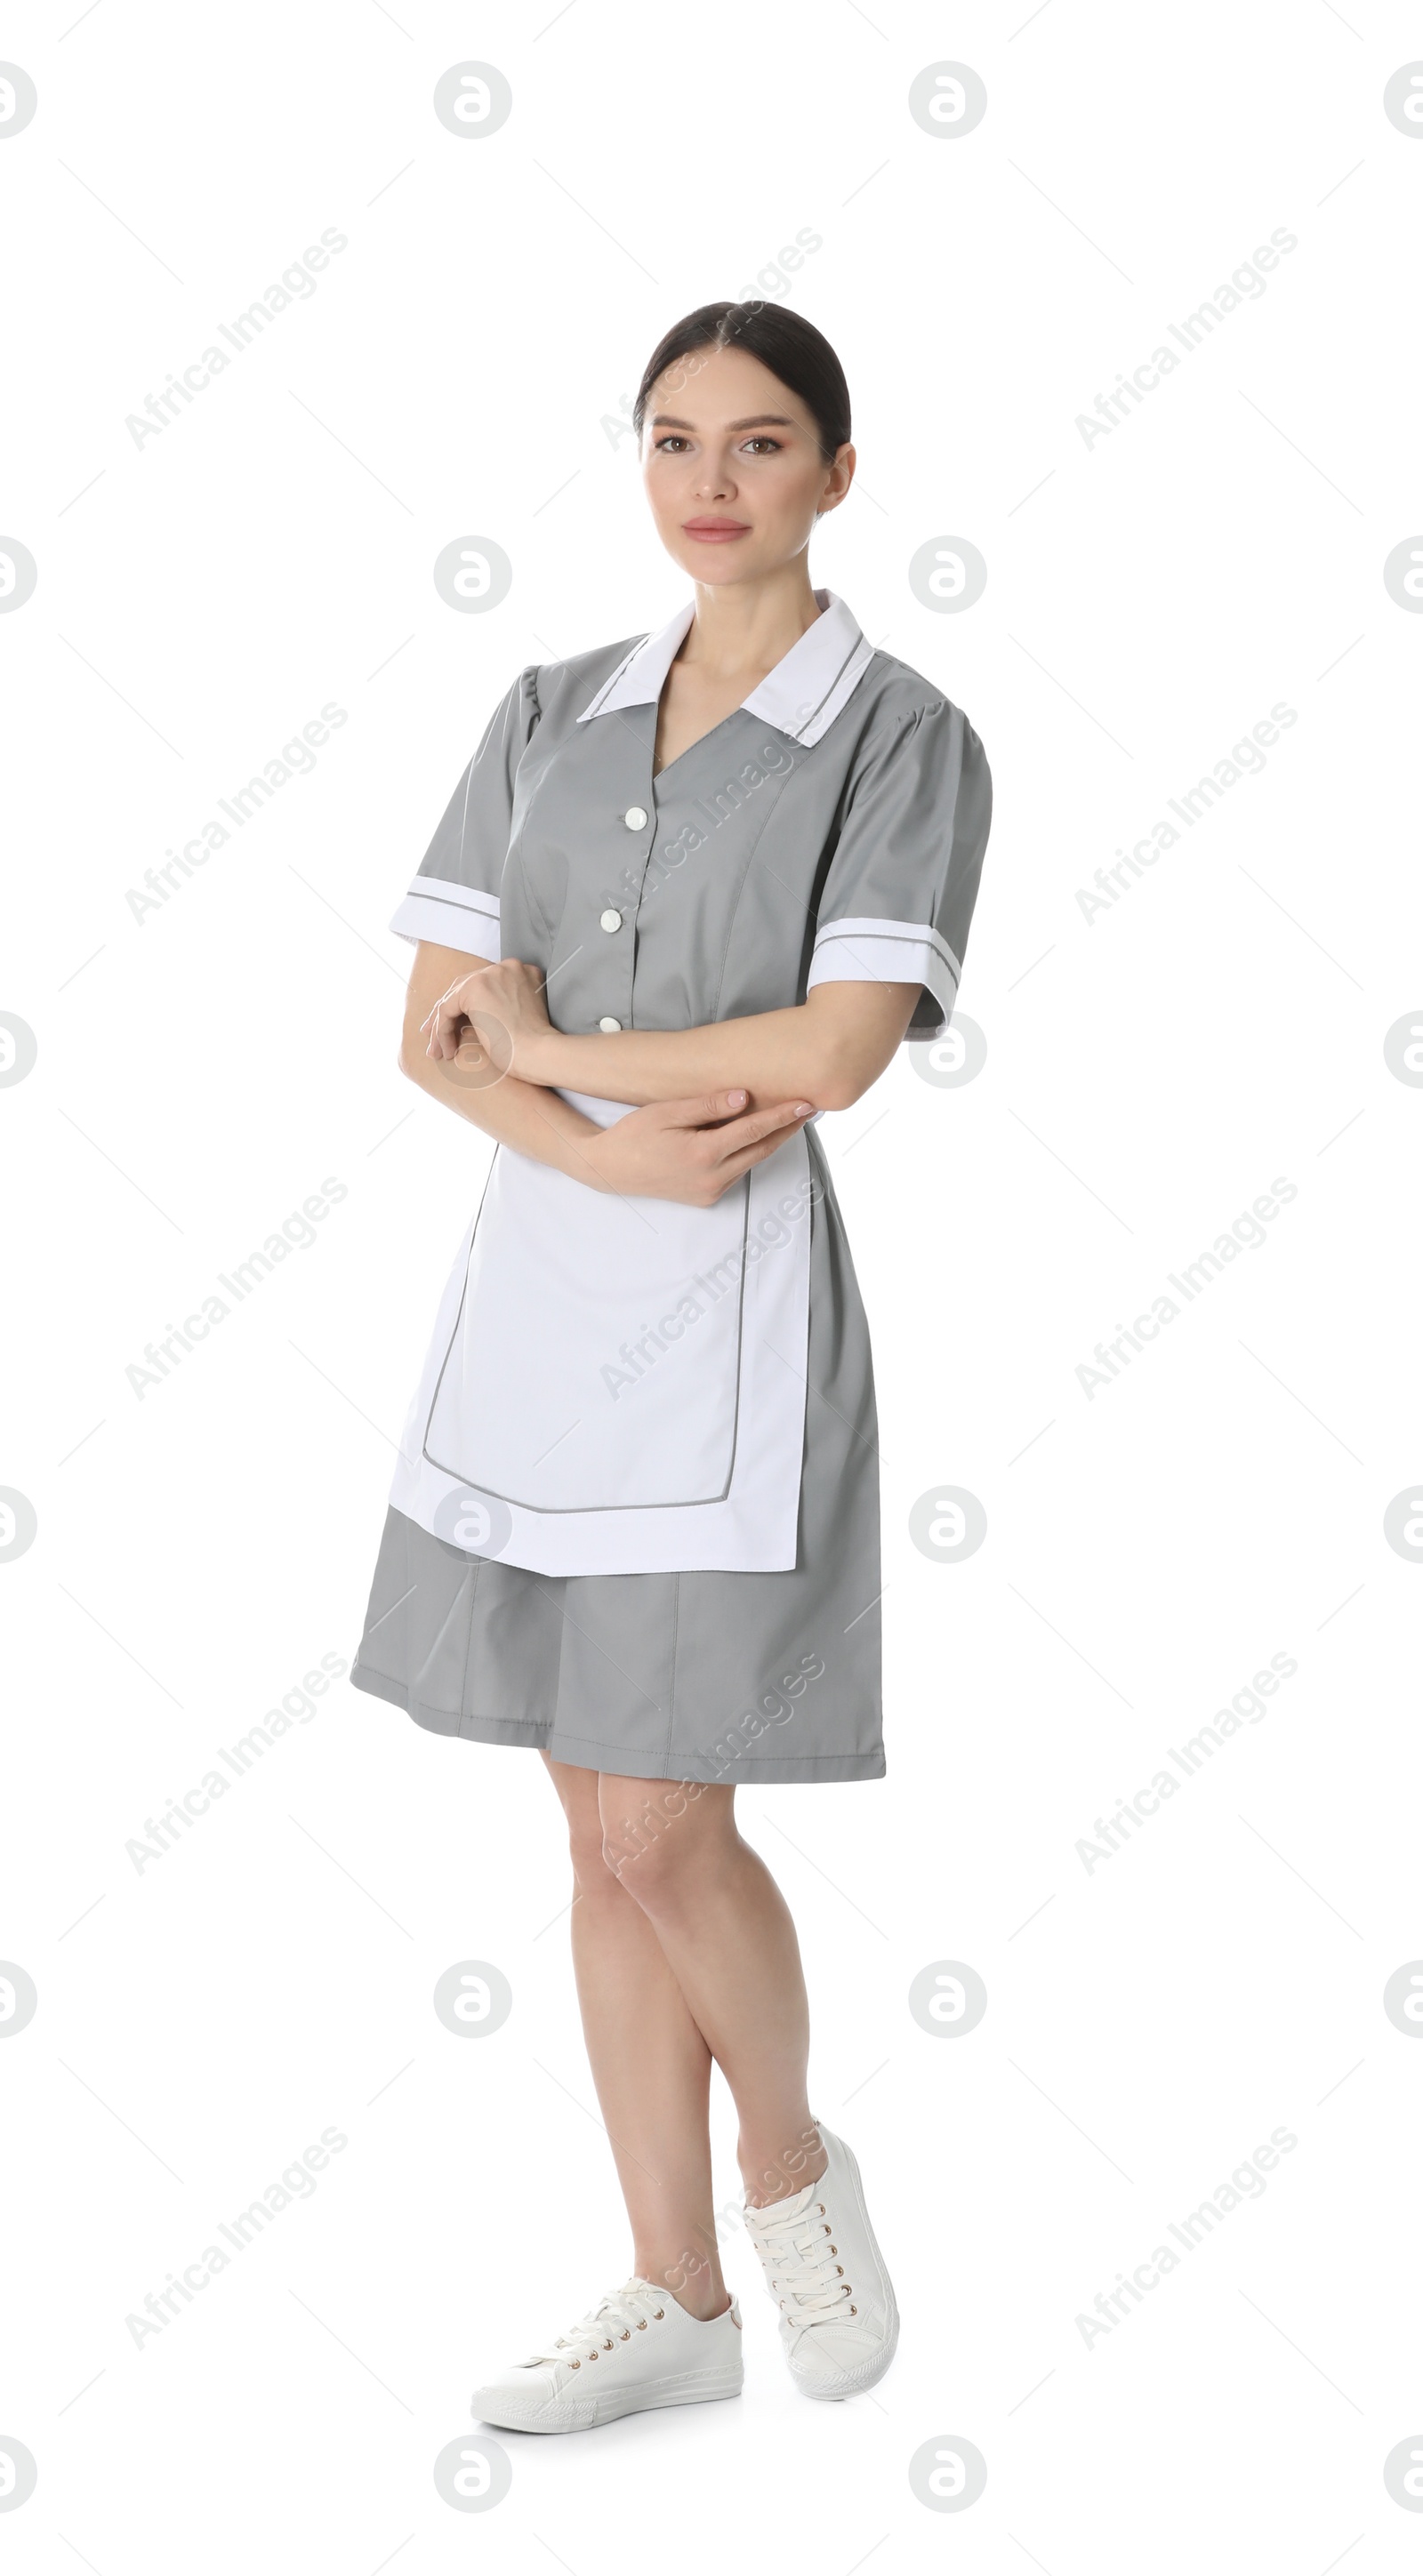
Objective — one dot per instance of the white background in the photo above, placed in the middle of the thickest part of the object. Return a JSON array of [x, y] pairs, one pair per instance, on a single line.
[[1149, 1073]]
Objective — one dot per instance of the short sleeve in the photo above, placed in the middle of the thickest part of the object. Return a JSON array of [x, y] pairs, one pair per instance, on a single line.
[[454, 899], [902, 883]]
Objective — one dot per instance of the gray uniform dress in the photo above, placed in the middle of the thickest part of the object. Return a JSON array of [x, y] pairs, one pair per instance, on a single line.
[[635, 1520]]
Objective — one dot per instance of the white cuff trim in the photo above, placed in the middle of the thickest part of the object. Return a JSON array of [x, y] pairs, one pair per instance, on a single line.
[[453, 916], [886, 952]]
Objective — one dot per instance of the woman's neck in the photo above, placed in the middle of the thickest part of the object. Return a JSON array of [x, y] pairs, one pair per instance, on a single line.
[[740, 630]]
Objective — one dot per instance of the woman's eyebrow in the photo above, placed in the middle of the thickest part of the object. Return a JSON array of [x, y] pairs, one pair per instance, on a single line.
[[762, 420]]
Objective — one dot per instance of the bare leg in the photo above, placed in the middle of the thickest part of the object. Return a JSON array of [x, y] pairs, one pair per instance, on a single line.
[[726, 1932], [651, 2065]]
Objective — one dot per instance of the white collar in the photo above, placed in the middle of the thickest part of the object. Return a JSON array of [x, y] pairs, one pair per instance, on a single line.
[[801, 697]]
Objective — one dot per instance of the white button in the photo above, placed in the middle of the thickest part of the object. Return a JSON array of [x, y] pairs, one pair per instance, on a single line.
[[610, 921], [635, 817], [610, 1027]]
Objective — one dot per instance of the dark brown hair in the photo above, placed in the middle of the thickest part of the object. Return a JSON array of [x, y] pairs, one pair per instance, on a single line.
[[795, 352]]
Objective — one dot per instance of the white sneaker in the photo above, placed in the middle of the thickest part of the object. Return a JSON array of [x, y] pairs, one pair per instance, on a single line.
[[602, 2368], [839, 2322]]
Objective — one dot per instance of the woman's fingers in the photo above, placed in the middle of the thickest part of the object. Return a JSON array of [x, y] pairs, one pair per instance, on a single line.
[[692, 1150], [724, 1116], [508, 996], [761, 1137], [443, 1022], [709, 1109], [759, 1133]]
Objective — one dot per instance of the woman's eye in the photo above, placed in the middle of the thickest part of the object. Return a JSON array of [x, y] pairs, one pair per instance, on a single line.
[[673, 444]]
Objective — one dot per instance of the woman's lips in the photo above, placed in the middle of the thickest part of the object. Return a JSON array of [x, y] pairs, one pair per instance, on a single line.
[[715, 532]]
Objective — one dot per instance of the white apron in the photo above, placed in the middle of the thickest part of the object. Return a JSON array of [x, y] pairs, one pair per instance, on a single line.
[[655, 1419]]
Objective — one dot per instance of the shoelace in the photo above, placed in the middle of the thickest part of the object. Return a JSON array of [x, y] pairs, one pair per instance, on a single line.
[[796, 2244], [614, 2320]]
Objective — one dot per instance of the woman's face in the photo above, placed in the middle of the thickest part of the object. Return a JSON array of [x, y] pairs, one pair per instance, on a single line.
[[732, 464]]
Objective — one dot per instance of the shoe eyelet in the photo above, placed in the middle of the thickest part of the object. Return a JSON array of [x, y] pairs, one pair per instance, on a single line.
[[575, 2365], [840, 2268], [626, 2335], [821, 2206], [659, 2312], [608, 2344], [854, 2311], [642, 2325]]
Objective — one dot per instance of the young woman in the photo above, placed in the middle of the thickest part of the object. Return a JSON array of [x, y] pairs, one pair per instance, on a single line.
[[727, 868]]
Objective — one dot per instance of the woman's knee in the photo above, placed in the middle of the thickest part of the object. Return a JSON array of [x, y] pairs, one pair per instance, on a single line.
[[591, 1872], [664, 1840], [578, 1794]]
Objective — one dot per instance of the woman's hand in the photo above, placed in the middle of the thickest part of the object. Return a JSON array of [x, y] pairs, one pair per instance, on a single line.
[[689, 1150], [497, 1014]]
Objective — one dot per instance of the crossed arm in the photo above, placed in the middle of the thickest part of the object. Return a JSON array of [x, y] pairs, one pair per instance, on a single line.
[[711, 1101]]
